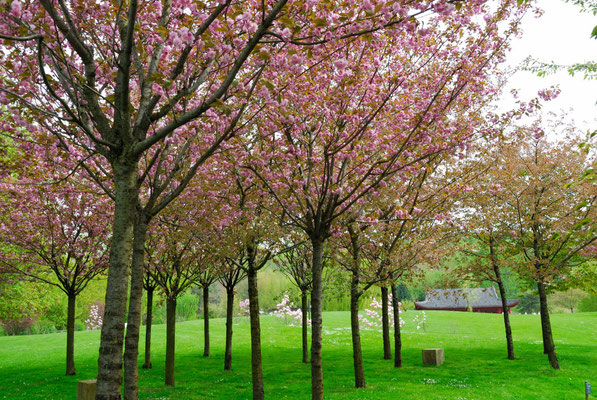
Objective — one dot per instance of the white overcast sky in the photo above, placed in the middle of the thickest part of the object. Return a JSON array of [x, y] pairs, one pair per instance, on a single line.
[[561, 35]]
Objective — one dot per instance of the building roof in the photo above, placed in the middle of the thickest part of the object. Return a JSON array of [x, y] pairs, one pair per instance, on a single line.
[[462, 298]]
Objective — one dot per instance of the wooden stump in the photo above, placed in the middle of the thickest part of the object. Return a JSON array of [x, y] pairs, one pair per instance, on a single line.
[[86, 389], [433, 356]]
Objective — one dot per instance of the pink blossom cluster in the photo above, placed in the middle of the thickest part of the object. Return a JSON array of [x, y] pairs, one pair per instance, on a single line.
[[373, 320], [95, 319], [286, 310], [244, 307]]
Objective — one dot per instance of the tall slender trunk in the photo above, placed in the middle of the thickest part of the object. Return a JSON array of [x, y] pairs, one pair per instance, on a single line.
[[385, 324], [256, 372], [206, 321], [147, 364], [397, 336], [229, 310], [70, 336], [131, 345], [316, 320], [548, 343], [357, 353], [170, 339], [109, 374], [305, 310], [509, 340]]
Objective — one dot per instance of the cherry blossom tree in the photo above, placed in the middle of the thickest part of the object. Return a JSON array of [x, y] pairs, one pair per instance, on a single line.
[[55, 234], [549, 208]]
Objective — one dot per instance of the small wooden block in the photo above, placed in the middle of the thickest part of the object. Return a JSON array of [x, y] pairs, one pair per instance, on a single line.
[[86, 389], [433, 356]]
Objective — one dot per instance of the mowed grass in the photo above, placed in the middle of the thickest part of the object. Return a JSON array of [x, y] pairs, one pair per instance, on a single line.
[[32, 367]]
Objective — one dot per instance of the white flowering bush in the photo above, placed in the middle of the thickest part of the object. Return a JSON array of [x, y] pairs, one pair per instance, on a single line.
[[96, 317], [286, 311], [373, 318], [421, 320]]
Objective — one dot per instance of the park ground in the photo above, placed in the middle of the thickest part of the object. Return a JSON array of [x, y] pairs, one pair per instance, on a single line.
[[32, 367]]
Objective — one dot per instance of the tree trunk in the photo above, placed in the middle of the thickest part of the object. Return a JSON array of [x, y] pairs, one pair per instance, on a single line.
[[305, 323], [256, 372], [147, 364], [509, 341], [357, 353], [109, 374], [170, 339], [397, 336], [385, 324], [548, 343], [131, 345], [229, 310], [206, 321], [70, 336], [316, 321]]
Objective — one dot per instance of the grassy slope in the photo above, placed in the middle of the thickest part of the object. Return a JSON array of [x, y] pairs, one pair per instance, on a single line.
[[32, 367]]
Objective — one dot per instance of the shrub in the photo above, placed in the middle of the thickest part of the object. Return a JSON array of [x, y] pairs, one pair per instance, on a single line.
[[96, 316], [588, 304], [42, 327], [21, 326]]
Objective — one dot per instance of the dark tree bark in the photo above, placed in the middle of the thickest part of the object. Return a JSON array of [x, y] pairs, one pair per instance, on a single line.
[[229, 311], [509, 340], [385, 324], [70, 336], [357, 353], [147, 364], [256, 371], [109, 374], [170, 339], [316, 320], [131, 346], [548, 343], [205, 321], [397, 336], [305, 310]]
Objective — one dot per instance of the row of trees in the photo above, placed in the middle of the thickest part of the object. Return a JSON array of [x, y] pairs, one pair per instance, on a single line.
[[204, 239], [337, 122]]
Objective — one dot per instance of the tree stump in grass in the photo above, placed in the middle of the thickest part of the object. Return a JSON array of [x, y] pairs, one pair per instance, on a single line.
[[433, 356], [86, 389]]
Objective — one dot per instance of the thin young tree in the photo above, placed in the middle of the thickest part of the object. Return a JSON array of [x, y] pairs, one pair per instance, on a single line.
[[180, 257], [149, 285], [295, 263]]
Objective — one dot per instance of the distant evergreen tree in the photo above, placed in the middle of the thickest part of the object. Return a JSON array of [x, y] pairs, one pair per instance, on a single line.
[[403, 292]]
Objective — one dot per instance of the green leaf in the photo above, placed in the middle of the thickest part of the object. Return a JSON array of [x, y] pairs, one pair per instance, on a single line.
[[594, 32]]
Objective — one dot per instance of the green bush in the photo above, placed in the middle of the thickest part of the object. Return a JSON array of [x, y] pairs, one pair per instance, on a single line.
[[43, 326], [187, 306], [80, 326], [588, 304], [56, 313]]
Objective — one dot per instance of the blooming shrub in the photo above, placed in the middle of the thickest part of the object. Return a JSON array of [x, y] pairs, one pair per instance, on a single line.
[[420, 320], [96, 317], [244, 307], [373, 319], [286, 310]]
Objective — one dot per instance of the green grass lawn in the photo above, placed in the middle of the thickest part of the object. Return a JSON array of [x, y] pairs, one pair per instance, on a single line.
[[32, 367]]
